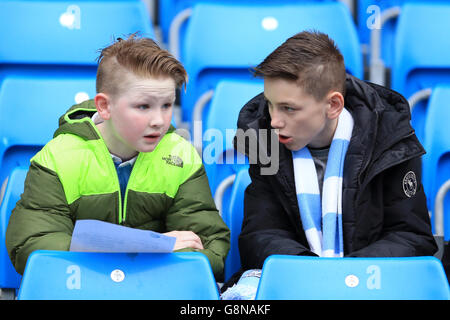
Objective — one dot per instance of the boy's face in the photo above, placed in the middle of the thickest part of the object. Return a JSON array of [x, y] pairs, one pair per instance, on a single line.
[[298, 118], [139, 116]]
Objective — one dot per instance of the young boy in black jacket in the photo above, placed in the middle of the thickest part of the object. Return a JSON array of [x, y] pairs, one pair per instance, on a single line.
[[345, 174]]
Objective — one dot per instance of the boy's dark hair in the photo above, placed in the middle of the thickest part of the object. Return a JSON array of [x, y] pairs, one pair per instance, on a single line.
[[312, 59], [141, 56]]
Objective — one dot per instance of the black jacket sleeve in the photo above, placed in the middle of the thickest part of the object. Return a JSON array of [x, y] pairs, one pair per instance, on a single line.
[[405, 228], [266, 228]]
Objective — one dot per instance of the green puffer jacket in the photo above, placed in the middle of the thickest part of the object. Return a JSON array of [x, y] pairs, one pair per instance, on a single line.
[[73, 177]]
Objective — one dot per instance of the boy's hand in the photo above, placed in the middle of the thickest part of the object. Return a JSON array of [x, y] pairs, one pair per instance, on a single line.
[[185, 239]]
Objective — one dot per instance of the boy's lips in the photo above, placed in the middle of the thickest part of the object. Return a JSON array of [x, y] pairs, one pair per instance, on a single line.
[[152, 136], [284, 139], [156, 134]]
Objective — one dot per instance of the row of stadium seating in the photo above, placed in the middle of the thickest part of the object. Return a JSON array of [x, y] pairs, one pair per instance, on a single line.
[[188, 276], [49, 64]]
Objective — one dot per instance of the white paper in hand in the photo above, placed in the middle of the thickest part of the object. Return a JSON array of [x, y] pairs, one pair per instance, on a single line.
[[100, 236]]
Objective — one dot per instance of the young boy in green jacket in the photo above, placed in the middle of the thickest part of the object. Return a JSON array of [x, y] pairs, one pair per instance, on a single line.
[[116, 158]]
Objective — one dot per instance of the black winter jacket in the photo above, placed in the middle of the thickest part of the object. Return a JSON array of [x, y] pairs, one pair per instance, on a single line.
[[382, 215]]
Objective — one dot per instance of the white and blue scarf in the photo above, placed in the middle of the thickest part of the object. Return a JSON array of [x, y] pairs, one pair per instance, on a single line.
[[322, 220]]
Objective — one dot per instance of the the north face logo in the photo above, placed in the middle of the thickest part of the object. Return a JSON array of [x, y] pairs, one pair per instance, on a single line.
[[173, 160]]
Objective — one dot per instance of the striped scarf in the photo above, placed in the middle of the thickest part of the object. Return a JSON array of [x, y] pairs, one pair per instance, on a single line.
[[322, 221]]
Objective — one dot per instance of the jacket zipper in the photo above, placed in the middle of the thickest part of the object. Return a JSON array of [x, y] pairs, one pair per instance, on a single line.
[[124, 211], [113, 169], [118, 187]]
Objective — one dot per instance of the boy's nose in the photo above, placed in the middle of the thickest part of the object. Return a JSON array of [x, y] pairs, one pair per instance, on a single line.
[[276, 121], [156, 119]]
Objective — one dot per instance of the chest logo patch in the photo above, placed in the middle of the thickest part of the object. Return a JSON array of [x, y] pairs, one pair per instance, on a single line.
[[173, 160], [410, 184]]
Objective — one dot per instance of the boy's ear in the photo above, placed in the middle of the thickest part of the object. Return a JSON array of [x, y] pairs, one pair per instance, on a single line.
[[103, 107], [336, 101]]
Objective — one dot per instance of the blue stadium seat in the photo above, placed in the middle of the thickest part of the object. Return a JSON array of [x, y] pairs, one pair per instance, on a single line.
[[436, 162], [168, 9], [54, 275], [304, 278], [215, 47], [48, 63], [421, 54], [220, 126], [369, 13], [221, 161], [62, 32], [9, 278], [233, 216], [30, 106]]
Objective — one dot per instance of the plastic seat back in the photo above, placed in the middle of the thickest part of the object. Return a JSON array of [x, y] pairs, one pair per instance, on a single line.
[[304, 278], [48, 63], [220, 125], [369, 14], [113, 276], [9, 278], [233, 217], [436, 162], [421, 54], [225, 40], [61, 32], [168, 9], [30, 106]]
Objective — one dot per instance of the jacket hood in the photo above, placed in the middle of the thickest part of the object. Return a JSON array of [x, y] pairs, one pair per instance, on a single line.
[[77, 120], [384, 112]]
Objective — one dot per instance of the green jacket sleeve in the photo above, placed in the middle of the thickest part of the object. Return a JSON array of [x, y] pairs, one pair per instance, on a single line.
[[194, 209], [41, 219]]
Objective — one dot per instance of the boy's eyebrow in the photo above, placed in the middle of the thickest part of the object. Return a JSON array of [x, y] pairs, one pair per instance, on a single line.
[[282, 103], [153, 96]]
